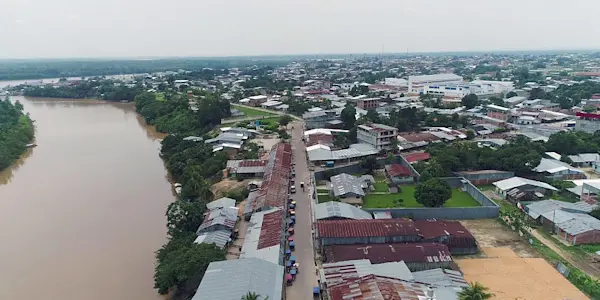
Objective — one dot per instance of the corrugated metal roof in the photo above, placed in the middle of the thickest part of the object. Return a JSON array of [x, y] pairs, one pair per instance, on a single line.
[[221, 203], [366, 228], [232, 279], [572, 223], [219, 238], [335, 273], [535, 209], [226, 216], [431, 229], [441, 277], [263, 237], [515, 182], [373, 287], [394, 170], [414, 157], [381, 253], [343, 184], [333, 209]]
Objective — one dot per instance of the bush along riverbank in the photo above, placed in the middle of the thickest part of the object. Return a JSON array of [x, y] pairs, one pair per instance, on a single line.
[[16, 131], [94, 88], [180, 263]]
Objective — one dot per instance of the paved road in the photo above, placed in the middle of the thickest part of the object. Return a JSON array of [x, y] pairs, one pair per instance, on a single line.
[[306, 278]]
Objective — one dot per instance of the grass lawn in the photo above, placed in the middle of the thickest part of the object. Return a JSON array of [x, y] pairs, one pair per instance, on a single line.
[[250, 112], [459, 199], [322, 191], [381, 187], [324, 198]]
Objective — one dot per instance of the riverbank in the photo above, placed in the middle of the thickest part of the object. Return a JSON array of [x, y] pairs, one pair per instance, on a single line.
[[16, 131]]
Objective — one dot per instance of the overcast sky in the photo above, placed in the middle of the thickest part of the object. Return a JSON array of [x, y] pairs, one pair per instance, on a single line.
[[136, 28]]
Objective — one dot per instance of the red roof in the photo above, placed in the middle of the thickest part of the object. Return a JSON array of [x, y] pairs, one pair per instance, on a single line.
[[431, 229], [419, 137], [419, 156], [397, 170], [587, 115], [252, 163], [375, 288], [382, 253], [366, 228], [271, 230]]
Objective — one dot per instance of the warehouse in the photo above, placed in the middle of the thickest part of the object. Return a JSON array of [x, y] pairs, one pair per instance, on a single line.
[[450, 233], [334, 210], [416, 256], [349, 232], [335, 273], [265, 236]]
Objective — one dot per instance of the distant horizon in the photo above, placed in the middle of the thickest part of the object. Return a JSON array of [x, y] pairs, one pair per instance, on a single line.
[[290, 55]]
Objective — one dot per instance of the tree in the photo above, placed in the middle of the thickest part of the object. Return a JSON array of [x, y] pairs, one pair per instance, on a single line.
[[348, 116], [470, 101], [372, 116], [253, 296], [433, 192], [496, 101], [596, 213], [285, 120], [470, 134], [475, 291], [537, 93], [185, 263], [511, 94], [369, 164]]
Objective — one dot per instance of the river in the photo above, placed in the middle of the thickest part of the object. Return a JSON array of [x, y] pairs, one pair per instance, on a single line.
[[82, 214]]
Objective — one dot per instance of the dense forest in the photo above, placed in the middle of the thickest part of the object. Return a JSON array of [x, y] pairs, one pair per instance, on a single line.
[[181, 263], [16, 131], [90, 89], [33, 69]]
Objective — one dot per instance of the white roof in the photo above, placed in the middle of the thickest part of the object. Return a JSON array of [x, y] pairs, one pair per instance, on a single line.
[[515, 182], [323, 131], [553, 155], [497, 107], [317, 146], [341, 210], [435, 77], [259, 97]]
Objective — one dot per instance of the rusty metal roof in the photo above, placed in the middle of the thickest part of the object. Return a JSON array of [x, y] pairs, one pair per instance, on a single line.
[[252, 163], [377, 288], [430, 229], [271, 231], [382, 253], [274, 188], [394, 170], [413, 157], [366, 228]]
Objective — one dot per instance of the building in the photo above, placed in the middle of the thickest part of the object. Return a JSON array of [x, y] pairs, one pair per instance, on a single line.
[[450, 233], [485, 177], [350, 189], [227, 141], [588, 122], [584, 160], [396, 82], [241, 276], [417, 84], [321, 119], [399, 174], [246, 168], [222, 218], [574, 228], [377, 135], [321, 154], [366, 103], [512, 187], [340, 272], [349, 232], [416, 256], [458, 91], [333, 210], [416, 157], [556, 169], [514, 101], [265, 236], [498, 112], [223, 202]]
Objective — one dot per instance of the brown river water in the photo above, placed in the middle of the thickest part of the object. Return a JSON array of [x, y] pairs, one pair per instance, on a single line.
[[82, 214]]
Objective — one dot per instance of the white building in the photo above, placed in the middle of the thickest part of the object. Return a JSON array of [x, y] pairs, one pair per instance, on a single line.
[[417, 83], [498, 86], [377, 135], [458, 91], [399, 82]]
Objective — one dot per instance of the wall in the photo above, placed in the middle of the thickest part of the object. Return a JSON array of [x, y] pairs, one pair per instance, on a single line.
[[486, 178]]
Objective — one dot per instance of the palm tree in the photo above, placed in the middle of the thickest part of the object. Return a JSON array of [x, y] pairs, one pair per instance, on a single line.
[[475, 291], [253, 296]]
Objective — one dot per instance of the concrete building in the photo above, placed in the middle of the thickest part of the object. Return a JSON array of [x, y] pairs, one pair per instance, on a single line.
[[458, 91], [321, 119], [400, 174], [379, 136], [416, 84]]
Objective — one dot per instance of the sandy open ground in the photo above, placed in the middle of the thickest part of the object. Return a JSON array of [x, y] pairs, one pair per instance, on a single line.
[[511, 277]]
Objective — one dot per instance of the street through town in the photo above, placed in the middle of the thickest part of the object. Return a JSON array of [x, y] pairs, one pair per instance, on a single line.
[[306, 279]]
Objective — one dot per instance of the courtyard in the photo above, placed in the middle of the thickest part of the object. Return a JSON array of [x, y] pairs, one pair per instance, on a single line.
[[406, 198]]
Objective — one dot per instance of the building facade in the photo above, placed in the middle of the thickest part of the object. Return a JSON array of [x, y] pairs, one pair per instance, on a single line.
[[587, 122], [377, 135]]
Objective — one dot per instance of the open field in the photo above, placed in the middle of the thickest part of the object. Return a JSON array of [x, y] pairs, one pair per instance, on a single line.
[[250, 112], [510, 277], [490, 233], [387, 200]]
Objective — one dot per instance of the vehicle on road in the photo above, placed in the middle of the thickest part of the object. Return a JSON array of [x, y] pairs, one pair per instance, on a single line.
[[302, 185], [293, 189]]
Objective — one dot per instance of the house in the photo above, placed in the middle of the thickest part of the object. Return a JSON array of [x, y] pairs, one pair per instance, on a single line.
[[321, 154], [514, 101], [485, 177], [366, 103], [556, 169], [573, 228], [400, 174], [379, 136], [248, 168], [241, 276], [584, 160], [588, 122], [416, 256], [320, 119], [333, 210], [509, 188], [221, 203], [350, 189], [349, 232], [450, 233], [227, 141], [416, 157], [221, 218], [409, 140]]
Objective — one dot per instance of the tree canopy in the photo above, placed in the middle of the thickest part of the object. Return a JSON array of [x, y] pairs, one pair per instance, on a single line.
[[433, 193], [348, 116], [470, 101], [475, 291], [16, 131], [104, 89], [573, 142]]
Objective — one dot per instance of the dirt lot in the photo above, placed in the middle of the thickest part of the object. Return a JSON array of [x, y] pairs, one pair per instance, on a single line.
[[227, 185], [490, 233], [510, 277]]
